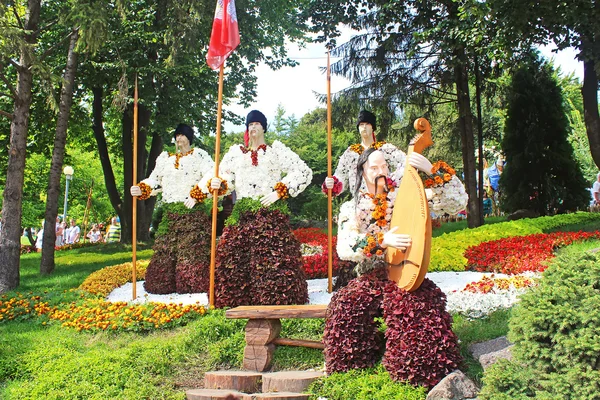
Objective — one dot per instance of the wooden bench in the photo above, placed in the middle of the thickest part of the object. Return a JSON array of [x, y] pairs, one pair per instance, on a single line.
[[264, 326]]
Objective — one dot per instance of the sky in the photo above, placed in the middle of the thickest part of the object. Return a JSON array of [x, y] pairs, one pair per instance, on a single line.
[[295, 87]]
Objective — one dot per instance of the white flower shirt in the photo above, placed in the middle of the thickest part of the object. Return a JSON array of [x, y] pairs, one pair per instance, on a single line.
[[176, 183], [272, 164], [346, 168], [449, 198], [356, 222]]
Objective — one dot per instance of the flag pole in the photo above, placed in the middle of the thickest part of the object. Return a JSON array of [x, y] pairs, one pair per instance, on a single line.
[[329, 191], [213, 242], [134, 180]]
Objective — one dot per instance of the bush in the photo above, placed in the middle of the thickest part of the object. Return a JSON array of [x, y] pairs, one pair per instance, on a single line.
[[555, 329], [352, 339], [421, 347], [372, 383], [259, 260]]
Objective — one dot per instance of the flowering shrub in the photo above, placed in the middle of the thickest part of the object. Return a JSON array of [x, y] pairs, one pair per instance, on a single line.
[[421, 347], [491, 284], [352, 339], [22, 307], [104, 281], [98, 315], [181, 252], [518, 254], [447, 251], [316, 253], [259, 261]]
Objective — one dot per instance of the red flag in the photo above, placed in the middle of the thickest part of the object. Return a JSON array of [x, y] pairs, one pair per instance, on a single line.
[[225, 35]]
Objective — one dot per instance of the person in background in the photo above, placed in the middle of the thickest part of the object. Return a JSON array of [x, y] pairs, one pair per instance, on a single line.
[[596, 191], [73, 233], [60, 231], [94, 234], [487, 205], [113, 232], [39, 238]]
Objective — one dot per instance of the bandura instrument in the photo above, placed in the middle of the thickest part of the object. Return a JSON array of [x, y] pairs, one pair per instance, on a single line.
[[411, 216]]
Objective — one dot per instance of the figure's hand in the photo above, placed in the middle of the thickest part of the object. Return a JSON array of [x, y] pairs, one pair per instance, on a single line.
[[135, 191], [419, 162], [397, 240], [189, 202], [329, 182], [269, 199], [215, 183]]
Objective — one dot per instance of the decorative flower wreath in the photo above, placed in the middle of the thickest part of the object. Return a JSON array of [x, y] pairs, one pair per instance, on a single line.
[[222, 190], [358, 148], [254, 153], [146, 191], [441, 174], [179, 155]]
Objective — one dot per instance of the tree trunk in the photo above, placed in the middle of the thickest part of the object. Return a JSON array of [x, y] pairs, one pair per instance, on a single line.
[[58, 155], [10, 237], [589, 91], [479, 142], [467, 138], [98, 128]]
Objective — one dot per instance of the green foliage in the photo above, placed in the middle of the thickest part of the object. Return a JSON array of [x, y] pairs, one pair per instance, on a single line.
[[447, 250], [248, 204], [367, 384], [555, 329], [180, 209], [541, 173]]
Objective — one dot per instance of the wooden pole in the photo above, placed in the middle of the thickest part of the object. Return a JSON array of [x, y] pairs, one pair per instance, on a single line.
[[329, 194], [134, 180], [213, 242]]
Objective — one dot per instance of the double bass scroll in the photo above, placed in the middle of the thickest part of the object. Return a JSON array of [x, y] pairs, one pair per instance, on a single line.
[[411, 216]]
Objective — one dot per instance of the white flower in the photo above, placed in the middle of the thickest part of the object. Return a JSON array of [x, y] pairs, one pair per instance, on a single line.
[[276, 163], [449, 198], [176, 183]]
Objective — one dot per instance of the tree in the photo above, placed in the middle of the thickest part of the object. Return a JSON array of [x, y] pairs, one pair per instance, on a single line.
[[10, 237], [566, 24], [541, 173]]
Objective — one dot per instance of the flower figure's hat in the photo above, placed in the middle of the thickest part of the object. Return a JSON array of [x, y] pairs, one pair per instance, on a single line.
[[185, 130], [368, 117], [254, 116]]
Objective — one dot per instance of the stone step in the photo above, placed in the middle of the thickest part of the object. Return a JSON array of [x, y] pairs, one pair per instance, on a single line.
[[289, 381], [240, 381], [216, 394]]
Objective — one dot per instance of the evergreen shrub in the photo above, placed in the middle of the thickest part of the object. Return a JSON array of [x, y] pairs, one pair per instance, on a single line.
[[555, 328]]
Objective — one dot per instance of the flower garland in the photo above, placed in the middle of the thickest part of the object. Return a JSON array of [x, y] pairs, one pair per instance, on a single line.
[[441, 174], [358, 147], [146, 191], [254, 153], [197, 194], [179, 155], [282, 190]]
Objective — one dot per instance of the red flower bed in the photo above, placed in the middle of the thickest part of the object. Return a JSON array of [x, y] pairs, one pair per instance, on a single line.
[[315, 265], [518, 254]]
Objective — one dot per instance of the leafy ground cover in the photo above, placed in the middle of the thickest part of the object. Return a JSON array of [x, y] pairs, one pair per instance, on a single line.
[[41, 358]]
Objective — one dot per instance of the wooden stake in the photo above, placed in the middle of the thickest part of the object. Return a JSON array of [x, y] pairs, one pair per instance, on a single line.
[[213, 243], [329, 194], [86, 214], [134, 180]]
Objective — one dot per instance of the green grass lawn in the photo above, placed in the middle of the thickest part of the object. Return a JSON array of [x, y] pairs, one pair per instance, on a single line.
[[52, 362]]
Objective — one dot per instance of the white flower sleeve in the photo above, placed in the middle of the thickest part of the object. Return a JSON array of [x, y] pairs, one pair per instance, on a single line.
[[297, 174], [226, 172], [156, 176], [349, 234], [396, 160], [449, 198], [346, 164]]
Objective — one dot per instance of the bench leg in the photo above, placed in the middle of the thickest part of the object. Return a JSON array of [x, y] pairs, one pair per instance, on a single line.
[[260, 333]]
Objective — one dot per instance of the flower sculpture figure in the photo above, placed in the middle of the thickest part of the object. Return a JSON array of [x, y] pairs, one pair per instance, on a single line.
[[448, 192]]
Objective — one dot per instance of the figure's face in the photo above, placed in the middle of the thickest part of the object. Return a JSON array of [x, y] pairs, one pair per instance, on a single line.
[[374, 167], [182, 140], [72, 222], [366, 130], [255, 130]]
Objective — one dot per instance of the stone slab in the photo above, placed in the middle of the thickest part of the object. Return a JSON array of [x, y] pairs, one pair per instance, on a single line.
[[479, 349]]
